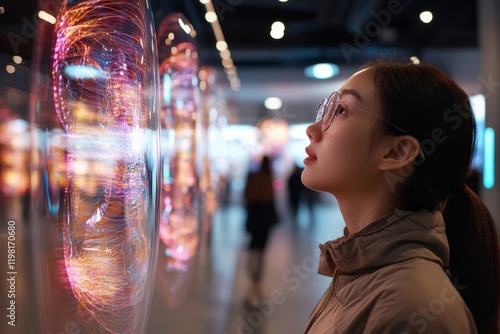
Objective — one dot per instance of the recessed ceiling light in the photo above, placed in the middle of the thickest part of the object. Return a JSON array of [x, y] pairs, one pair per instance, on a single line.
[[273, 103], [278, 26], [10, 69], [17, 59], [211, 17], [277, 34], [221, 45], [322, 71], [46, 17], [426, 17], [277, 30], [227, 63], [225, 54]]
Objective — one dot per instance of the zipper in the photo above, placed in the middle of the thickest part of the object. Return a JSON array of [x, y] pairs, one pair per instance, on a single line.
[[331, 293]]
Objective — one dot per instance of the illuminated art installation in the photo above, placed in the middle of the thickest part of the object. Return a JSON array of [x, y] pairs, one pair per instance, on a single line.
[[180, 208], [94, 115], [210, 181]]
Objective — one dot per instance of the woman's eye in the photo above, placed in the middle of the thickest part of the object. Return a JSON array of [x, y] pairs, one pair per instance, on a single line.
[[341, 111]]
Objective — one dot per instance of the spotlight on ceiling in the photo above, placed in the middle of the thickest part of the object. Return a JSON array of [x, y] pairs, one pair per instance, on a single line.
[[426, 17], [273, 103], [277, 30], [322, 71]]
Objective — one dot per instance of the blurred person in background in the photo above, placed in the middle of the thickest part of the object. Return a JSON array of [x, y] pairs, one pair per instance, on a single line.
[[298, 193], [261, 217]]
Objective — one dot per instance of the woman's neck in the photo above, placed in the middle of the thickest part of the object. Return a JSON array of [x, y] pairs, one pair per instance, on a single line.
[[360, 211]]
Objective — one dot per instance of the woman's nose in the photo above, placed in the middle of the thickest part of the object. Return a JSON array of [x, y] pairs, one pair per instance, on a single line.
[[313, 131]]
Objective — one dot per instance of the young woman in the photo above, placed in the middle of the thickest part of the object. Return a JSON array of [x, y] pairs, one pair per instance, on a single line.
[[420, 252]]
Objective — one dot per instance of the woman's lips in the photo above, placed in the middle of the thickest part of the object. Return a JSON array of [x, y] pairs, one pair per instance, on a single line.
[[310, 156]]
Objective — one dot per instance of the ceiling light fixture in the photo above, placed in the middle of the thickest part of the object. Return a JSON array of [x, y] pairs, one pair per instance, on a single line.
[[273, 103], [227, 62], [322, 71], [277, 34], [426, 17], [47, 17], [277, 30], [210, 16], [221, 45], [225, 54], [278, 26]]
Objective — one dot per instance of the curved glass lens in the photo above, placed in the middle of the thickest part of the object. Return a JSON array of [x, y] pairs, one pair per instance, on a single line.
[[95, 135], [180, 230], [331, 106]]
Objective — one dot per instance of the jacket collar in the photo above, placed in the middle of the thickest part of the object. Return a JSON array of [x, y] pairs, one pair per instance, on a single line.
[[401, 236]]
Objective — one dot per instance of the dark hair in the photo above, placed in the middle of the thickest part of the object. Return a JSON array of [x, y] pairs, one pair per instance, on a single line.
[[427, 103]]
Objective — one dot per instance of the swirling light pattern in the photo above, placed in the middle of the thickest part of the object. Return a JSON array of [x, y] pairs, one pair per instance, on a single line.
[[180, 224], [104, 91]]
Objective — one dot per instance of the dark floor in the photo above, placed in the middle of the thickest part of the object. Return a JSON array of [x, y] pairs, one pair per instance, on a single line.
[[210, 298]]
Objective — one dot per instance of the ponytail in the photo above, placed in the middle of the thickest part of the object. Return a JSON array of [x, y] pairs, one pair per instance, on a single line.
[[474, 257]]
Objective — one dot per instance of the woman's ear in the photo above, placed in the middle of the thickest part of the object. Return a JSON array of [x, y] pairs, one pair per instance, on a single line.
[[400, 152]]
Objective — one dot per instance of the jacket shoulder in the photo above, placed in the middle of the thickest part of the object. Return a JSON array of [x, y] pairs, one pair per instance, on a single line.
[[416, 297]]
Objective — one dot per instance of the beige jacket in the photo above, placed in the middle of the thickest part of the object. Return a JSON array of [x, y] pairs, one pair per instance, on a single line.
[[389, 278]]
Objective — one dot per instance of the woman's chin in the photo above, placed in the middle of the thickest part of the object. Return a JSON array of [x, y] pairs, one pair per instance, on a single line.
[[310, 183]]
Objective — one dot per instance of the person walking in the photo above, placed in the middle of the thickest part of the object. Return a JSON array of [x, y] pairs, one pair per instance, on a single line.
[[261, 217]]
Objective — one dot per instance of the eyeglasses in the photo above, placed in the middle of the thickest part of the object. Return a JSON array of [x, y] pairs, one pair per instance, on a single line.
[[331, 107]]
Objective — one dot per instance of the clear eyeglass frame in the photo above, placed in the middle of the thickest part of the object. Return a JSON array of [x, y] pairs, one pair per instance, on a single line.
[[329, 109]]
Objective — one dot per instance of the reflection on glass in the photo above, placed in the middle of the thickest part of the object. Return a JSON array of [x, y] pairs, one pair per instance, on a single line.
[[14, 143], [95, 130]]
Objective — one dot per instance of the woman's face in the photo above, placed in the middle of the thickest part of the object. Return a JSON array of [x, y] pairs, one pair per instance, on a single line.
[[339, 159]]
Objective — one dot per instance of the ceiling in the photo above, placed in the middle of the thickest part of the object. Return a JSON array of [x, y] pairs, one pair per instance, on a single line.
[[346, 32], [319, 30], [315, 30]]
